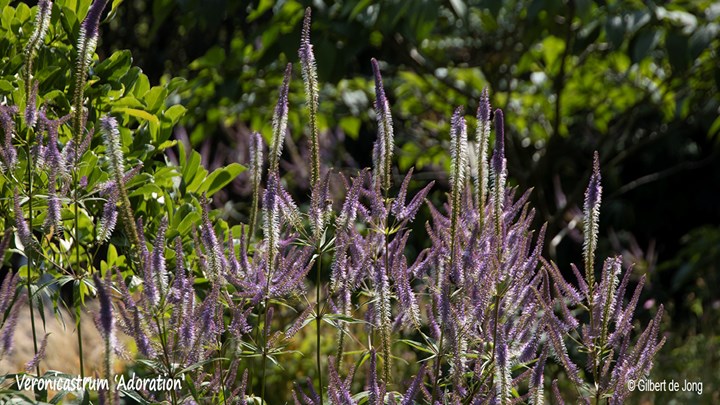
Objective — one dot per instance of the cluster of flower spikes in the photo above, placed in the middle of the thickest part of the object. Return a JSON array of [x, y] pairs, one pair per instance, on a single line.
[[479, 252], [606, 338]]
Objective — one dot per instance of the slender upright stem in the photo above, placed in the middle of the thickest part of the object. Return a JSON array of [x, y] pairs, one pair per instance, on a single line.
[[108, 348], [384, 301], [268, 277], [222, 379], [30, 251], [78, 301], [79, 334], [264, 354], [438, 362], [253, 213], [318, 320]]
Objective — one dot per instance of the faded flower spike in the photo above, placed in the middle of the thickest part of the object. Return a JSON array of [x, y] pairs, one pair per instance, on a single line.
[[309, 74], [280, 120], [87, 42], [111, 137], [383, 151], [458, 151], [591, 211], [482, 135], [256, 166], [458, 171], [42, 21]]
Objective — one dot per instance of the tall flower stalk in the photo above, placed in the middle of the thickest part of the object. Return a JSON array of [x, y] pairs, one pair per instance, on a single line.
[[310, 80], [611, 359], [480, 171], [309, 74], [453, 268], [106, 326], [42, 21], [382, 178], [111, 137], [256, 165], [87, 42]]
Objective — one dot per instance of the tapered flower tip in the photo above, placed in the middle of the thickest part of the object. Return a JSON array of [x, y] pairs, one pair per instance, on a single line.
[[305, 45], [282, 104], [594, 190], [498, 159], [44, 6], [457, 120], [271, 192], [256, 149], [108, 125], [484, 107], [381, 100], [91, 23], [31, 113]]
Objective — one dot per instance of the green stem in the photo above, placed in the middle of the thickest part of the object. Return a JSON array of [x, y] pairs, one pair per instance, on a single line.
[[107, 369], [32, 317], [30, 251], [78, 300], [318, 320], [438, 362], [264, 353], [78, 324], [385, 323], [253, 215]]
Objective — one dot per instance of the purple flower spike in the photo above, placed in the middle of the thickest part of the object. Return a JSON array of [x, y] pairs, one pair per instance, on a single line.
[[591, 212], [593, 193], [106, 317], [53, 218], [480, 168], [7, 292], [484, 107], [382, 155], [38, 356], [416, 385], [374, 388], [108, 220], [280, 120], [306, 52], [91, 23], [214, 250], [31, 112], [309, 74], [158, 257], [23, 229], [8, 330], [8, 154]]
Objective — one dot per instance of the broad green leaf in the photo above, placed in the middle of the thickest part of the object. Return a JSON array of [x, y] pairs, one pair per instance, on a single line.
[[138, 114], [220, 178]]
